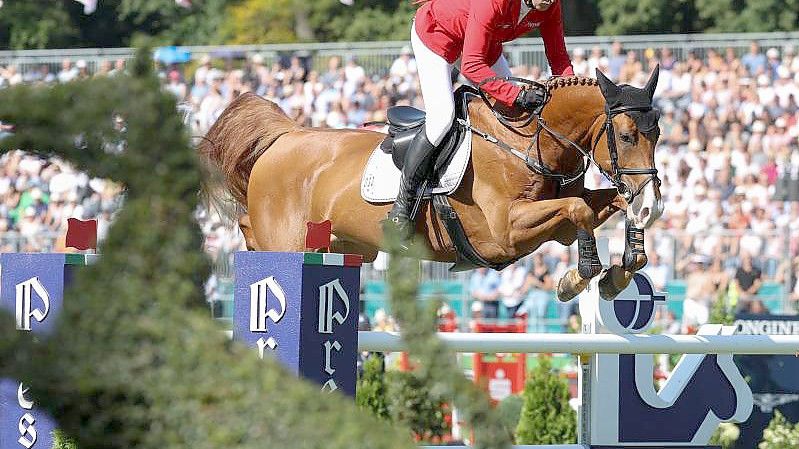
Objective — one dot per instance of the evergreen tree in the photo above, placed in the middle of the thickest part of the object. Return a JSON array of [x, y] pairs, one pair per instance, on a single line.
[[413, 404], [546, 416], [370, 393], [135, 360]]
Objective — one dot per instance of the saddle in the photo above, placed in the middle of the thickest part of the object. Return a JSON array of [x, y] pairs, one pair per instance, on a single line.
[[404, 122]]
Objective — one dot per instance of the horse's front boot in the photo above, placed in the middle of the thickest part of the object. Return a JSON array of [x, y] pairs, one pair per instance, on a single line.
[[415, 169]]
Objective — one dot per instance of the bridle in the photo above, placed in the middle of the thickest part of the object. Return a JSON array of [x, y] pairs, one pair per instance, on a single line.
[[615, 176]]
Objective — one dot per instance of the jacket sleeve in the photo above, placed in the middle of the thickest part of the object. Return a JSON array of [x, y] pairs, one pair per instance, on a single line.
[[554, 44], [477, 46]]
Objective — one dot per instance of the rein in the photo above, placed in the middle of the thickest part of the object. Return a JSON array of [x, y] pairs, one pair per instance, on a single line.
[[540, 168]]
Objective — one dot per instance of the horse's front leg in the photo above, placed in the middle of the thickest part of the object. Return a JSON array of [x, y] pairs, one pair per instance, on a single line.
[[617, 278], [533, 223]]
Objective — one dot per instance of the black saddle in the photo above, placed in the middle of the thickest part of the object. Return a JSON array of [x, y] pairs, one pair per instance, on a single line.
[[404, 122]]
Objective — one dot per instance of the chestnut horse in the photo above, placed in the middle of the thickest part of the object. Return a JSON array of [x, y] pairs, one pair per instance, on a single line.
[[282, 176]]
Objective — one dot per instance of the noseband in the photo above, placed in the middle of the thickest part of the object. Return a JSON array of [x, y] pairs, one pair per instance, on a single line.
[[615, 176]]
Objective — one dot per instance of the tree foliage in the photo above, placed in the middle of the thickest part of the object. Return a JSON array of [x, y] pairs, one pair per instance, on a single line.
[[696, 16], [546, 415], [259, 21], [371, 393], [135, 360], [413, 404]]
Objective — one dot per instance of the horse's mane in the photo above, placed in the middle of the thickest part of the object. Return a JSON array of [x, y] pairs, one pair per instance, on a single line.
[[241, 134], [566, 81]]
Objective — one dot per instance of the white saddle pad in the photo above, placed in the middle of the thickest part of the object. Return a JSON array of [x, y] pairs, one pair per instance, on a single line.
[[381, 178]]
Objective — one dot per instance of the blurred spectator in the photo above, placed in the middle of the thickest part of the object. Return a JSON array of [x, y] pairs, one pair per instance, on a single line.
[[484, 289], [580, 64], [616, 60], [747, 280], [597, 60], [754, 62], [699, 295], [511, 288], [539, 288], [403, 69], [658, 272], [67, 73], [175, 85]]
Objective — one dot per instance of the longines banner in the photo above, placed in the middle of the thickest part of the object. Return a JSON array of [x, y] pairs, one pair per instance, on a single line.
[[774, 379]]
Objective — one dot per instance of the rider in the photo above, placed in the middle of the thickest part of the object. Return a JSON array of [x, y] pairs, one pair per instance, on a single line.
[[471, 32]]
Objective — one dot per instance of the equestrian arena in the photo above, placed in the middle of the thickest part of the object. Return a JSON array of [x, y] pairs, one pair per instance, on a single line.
[[608, 260]]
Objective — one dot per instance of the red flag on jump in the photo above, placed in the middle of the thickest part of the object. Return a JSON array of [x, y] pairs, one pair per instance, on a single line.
[[318, 235], [81, 234]]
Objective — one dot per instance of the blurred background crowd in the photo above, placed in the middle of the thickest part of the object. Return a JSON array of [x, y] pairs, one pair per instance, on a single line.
[[728, 147]]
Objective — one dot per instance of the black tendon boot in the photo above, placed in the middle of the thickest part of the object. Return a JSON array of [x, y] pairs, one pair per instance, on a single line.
[[416, 168]]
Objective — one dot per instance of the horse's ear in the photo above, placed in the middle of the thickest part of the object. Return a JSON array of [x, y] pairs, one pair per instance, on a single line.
[[609, 88], [653, 82]]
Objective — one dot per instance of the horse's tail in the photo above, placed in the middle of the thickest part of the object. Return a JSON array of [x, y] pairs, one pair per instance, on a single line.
[[241, 134]]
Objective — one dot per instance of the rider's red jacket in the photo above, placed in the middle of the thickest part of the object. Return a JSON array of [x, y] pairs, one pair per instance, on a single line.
[[474, 30]]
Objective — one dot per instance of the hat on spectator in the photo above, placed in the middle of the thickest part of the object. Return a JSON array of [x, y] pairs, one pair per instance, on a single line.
[[578, 52], [758, 127], [773, 53], [205, 60], [780, 122], [406, 50], [477, 306], [257, 58], [81, 64]]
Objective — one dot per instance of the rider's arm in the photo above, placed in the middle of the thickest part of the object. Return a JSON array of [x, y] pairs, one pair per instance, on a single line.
[[478, 44], [554, 44]]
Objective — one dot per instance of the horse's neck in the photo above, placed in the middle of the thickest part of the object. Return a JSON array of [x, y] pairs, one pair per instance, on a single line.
[[572, 111]]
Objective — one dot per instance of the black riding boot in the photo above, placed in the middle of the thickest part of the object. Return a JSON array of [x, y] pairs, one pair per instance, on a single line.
[[416, 168]]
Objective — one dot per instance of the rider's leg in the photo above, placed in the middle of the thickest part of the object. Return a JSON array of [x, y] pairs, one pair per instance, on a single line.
[[436, 84]]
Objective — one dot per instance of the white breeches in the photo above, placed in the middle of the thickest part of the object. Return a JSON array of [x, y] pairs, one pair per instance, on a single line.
[[435, 78]]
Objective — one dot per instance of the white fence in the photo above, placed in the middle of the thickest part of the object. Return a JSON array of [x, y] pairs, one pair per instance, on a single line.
[[595, 344], [377, 56]]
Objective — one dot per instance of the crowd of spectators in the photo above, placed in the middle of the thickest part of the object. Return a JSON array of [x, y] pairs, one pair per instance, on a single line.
[[729, 130]]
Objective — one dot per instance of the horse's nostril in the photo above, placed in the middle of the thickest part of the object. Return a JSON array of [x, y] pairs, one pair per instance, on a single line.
[[644, 212]]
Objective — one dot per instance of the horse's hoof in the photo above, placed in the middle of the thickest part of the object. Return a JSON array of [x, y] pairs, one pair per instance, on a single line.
[[571, 285], [613, 281]]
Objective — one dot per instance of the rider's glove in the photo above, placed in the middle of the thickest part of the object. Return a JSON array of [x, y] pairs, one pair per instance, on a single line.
[[530, 99]]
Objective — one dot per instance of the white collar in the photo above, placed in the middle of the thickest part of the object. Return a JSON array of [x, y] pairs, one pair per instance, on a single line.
[[523, 11]]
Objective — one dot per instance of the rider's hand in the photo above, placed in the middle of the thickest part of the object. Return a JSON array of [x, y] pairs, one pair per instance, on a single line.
[[530, 99]]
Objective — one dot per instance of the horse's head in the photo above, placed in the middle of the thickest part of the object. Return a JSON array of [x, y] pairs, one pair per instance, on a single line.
[[629, 134]]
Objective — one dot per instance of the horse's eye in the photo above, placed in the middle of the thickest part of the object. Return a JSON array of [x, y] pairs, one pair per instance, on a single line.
[[627, 138]]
